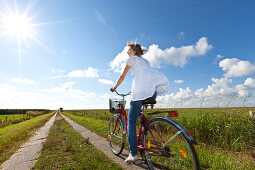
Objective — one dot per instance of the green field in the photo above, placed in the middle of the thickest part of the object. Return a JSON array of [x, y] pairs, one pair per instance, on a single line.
[[225, 135], [8, 119], [12, 119]]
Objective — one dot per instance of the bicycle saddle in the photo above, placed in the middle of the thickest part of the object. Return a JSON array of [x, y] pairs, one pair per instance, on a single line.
[[149, 100]]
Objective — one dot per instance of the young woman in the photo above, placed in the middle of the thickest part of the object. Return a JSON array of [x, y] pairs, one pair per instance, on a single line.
[[145, 83]]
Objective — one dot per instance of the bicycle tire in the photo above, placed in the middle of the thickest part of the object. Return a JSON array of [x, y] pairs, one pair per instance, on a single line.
[[179, 153], [117, 140]]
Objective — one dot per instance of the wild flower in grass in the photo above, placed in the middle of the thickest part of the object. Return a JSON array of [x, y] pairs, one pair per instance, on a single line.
[[231, 99], [245, 100], [202, 101], [220, 100]]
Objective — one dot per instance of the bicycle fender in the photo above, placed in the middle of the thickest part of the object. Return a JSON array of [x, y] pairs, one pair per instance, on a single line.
[[178, 126]]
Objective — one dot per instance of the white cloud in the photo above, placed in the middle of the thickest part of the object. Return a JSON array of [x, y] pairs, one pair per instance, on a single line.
[[12, 97], [170, 56], [57, 70], [178, 81], [90, 95], [219, 93], [104, 81], [218, 57], [219, 86], [76, 73], [105, 96], [64, 95], [245, 89], [250, 82], [180, 35], [119, 62], [235, 67], [89, 73], [63, 88], [23, 81], [184, 93], [6, 88], [176, 56], [67, 90]]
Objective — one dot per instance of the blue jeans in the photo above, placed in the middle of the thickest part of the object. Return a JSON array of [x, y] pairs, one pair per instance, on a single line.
[[133, 114]]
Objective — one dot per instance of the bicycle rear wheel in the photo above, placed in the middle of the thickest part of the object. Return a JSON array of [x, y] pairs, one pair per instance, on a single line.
[[174, 150], [116, 135]]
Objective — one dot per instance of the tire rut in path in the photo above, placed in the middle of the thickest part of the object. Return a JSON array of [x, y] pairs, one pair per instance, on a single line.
[[26, 156], [102, 144]]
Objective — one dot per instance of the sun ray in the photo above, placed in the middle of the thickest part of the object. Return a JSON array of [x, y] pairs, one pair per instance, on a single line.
[[19, 58], [44, 46], [55, 22]]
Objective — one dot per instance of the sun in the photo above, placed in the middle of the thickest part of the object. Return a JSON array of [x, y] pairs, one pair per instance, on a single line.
[[20, 27], [17, 26]]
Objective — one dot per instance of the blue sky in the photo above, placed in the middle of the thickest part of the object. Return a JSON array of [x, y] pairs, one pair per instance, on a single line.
[[74, 50]]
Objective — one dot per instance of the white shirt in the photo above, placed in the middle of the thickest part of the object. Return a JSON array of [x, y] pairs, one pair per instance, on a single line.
[[145, 80]]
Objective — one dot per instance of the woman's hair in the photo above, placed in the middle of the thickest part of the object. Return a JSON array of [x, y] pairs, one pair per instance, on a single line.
[[139, 51]]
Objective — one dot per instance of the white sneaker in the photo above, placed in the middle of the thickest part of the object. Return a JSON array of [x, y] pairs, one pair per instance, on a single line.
[[131, 158]]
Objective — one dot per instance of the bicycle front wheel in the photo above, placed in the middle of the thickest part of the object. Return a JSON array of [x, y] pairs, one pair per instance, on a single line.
[[116, 134], [166, 147]]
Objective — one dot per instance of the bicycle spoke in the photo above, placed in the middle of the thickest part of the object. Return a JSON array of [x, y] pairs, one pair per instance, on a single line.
[[175, 135], [117, 136]]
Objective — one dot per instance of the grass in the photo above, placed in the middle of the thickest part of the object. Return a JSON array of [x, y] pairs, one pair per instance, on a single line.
[[218, 149], [12, 119], [13, 136], [67, 149], [17, 118], [227, 128]]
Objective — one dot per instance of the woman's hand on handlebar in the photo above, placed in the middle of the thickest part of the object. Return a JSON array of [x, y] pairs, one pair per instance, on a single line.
[[112, 89]]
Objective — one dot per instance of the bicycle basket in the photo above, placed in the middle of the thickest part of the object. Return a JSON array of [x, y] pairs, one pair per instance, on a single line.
[[115, 105]]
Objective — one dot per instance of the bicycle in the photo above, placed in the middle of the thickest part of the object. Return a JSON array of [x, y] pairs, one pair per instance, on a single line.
[[162, 141]]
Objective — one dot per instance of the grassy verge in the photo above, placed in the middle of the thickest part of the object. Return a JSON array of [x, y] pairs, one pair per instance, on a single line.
[[67, 149], [13, 136], [12, 119], [8, 119], [210, 157]]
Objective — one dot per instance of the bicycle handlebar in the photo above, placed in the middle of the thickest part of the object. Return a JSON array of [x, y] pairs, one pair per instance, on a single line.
[[123, 95]]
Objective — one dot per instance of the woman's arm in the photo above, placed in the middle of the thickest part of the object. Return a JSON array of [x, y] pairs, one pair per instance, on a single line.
[[121, 78]]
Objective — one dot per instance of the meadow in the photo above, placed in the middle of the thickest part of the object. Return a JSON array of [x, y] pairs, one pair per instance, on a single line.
[[225, 135], [7, 117]]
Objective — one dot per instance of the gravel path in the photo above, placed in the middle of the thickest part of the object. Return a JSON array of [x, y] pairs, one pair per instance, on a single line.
[[102, 144], [27, 155]]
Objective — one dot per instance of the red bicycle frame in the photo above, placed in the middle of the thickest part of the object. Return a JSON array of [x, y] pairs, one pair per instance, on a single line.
[[143, 121]]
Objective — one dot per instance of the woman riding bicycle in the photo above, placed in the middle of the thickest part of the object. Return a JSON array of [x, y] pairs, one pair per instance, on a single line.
[[145, 83]]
